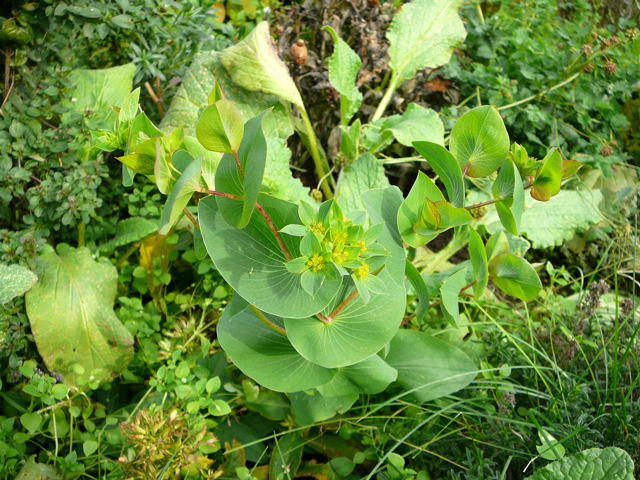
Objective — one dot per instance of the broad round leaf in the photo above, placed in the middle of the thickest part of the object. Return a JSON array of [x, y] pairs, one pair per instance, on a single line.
[[311, 407], [264, 354], [479, 141], [251, 261], [72, 318], [609, 463], [514, 276], [426, 361], [356, 333]]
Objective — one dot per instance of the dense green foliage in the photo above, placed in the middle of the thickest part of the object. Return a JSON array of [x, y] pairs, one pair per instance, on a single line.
[[426, 300]]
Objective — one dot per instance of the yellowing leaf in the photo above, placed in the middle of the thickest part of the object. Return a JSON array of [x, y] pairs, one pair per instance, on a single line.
[[72, 318], [254, 64]]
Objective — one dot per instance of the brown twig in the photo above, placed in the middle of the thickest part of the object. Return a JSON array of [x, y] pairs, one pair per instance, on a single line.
[[8, 84], [190, 216], [155, 98]]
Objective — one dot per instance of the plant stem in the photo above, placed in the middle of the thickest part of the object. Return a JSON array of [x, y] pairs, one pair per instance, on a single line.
[[321, 163], [235, 156], [190, 216], [352, 296], [268, 322], [495, 200], [391, 88], [81, 234], [220, 194], [273, 228]]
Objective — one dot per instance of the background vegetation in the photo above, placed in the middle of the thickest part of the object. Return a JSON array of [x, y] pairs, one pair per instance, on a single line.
[[561, 370]]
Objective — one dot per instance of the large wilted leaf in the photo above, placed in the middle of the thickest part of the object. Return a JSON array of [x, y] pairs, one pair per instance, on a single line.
[[14, 281], [72, 318], [33, 470], [254, 64], [423, 34], [98, 91], [193, 96], [593, 464]]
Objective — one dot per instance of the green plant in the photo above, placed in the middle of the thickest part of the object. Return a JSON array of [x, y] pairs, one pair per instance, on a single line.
[[320, 286]]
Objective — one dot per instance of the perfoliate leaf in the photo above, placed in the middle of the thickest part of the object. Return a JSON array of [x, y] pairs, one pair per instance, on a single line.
[[436, 217], [14, 281], [447, 168], [431, 366], [264, 354], [549, 179], [182, 191], [610, 463], [423, 35], [253, 63], [251, 261], [344, 65], [72, 318], [355, 333], [220, 127], [514, 276], [243, 181], [570, 167], [479, 141]]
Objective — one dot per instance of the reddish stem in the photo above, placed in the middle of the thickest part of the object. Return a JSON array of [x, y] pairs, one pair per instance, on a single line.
[[222, 194], [495, 200], [273, 228], [352, 296], [190, 216], [237, 159]]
